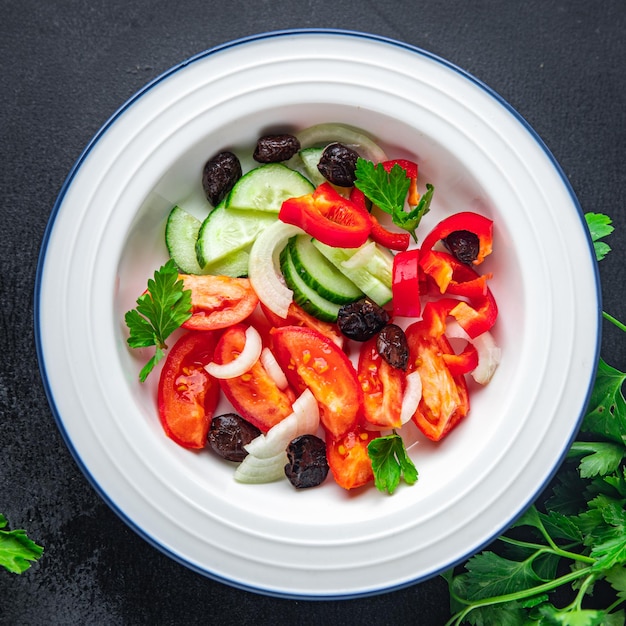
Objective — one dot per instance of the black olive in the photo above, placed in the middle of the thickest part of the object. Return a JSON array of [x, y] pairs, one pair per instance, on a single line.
[[307, 466], [463, 244], [229, 433], [220, 175], [338, 164], [361, 320], [392, 345], [275, 148]]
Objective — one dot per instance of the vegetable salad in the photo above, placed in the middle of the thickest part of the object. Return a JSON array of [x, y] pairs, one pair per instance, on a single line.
[[311, 301]]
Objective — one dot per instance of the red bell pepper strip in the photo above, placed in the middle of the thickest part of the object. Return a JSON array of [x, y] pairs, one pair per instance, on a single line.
[[410, 167], [329, 217], [405, 285], [475, 223], [382, 236], [434, 318], [452, 277]]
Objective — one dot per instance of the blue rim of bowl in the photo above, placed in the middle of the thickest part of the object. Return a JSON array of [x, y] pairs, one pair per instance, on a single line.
[[59, 201]]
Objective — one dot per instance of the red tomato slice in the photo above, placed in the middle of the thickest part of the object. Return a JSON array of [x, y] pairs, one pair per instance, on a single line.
[[297, 316], [218, 301], [348, 459], [383, 388], [187, 395], [309, 359], [445, 398], [254, 395]]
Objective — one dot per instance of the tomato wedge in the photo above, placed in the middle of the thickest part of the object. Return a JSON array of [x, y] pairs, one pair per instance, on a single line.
[[187, 395], [445, 398], [309, 359], [348, 459], [383, 387], [218, 301], [297, 316], [254, 395]]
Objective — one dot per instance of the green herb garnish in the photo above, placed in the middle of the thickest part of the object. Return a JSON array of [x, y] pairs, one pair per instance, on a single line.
[[388, 191], [389, 462], [17, 551], [545, 568], [599, 226], [159, 312]]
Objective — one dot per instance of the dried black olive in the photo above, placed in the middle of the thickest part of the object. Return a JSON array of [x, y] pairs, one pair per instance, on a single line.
[[338, 164], [463, 244], [307, 466], [229, 433], [220, 175], [392, 345], [361, 320], [275, 148]]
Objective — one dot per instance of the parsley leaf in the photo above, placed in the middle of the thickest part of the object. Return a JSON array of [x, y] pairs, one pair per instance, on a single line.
[[599, 226], [606, 415], [160, 311], [388, 191], [599, 457], [389, 461], [16, 549]]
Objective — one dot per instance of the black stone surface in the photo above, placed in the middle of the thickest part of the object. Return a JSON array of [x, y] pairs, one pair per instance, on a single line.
[[65, 67]]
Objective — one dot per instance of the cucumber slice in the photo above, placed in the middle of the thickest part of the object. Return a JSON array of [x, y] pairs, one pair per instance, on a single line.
[[310, 158], [266, 187], [227, 230], [373, 278], [311, 301], [181, 234], [319, 273], [234, 265]]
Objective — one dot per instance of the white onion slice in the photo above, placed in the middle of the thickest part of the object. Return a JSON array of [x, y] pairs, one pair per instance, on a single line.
[[412, 396], [304, 420], [254, 470], [246, 359], [489, 353], [264, 275], [350, 137], [273, 369]]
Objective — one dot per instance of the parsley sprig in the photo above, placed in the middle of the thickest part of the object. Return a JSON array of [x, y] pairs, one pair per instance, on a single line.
[[17, 551], [388, 191], [577, 541], [163, 308], [390, 462]]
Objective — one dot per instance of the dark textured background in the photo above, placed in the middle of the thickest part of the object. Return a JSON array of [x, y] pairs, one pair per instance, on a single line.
[[65, 67]]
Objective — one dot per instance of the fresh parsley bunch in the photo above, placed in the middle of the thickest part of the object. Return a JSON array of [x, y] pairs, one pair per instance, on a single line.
[[577, 541]]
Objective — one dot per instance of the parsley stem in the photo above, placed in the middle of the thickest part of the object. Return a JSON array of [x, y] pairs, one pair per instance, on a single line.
[[516, 595], [614, 321], [553, 548]]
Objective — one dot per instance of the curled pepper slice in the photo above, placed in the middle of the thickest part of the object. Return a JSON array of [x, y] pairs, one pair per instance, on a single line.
[[470, 222], [329, 217]]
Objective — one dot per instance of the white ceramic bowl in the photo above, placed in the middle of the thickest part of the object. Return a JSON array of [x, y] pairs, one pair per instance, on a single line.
[[105, 239]]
